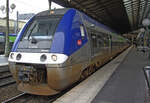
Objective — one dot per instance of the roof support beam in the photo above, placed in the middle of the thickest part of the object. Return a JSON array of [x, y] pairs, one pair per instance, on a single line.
[[133, 22], [88, 2], [138, 12], [107, 12], [62, 3], [91, 13], [145, 6]]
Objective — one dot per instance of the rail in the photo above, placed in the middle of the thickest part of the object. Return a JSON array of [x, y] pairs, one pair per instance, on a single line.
[[14, 98]]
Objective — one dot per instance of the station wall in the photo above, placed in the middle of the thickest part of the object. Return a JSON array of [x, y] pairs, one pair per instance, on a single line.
[[12, 24]]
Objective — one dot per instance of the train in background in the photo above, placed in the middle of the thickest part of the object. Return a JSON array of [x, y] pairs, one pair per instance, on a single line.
[[12, 38], [60, 47]]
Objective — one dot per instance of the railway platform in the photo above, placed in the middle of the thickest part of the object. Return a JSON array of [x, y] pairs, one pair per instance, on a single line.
[[120, 81], [127, 84], [3, 60]]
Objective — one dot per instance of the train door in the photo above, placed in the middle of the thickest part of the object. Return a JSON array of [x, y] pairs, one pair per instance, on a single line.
[[110, 43], [93, 42], [90, 32]]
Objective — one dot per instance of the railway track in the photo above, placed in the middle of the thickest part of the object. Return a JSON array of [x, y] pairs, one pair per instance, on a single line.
[[14, 98], [7, 83], [25, 98], [4, 69], [6, 78]]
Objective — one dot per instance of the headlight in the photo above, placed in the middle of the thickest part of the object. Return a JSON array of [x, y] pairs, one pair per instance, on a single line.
[[54, 57], [12, 55], [43, 58], [18, 57]]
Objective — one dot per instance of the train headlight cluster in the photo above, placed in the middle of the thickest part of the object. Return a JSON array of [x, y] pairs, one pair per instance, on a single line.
[[12, 55], [37, 58], [54, 57], [18, 57], [43, 58]]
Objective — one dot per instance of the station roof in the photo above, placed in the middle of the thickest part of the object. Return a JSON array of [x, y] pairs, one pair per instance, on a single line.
[[121, 15]]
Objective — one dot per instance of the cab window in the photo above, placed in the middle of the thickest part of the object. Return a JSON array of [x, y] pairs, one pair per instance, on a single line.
[[82, 31]]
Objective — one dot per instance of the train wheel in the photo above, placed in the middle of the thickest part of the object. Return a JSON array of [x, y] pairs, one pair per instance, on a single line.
[[94, 68], [90, 70], [84, 74]]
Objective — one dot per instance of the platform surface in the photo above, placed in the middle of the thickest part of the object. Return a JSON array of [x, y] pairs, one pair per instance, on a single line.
[[127, 84], [3, 60]]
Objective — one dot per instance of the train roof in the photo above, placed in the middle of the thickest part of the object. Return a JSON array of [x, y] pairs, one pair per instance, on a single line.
[[53, 12], [61, 12], [98, 23]]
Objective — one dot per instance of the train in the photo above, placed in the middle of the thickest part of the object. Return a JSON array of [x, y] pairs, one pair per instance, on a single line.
[[12, 38], [59, 47]]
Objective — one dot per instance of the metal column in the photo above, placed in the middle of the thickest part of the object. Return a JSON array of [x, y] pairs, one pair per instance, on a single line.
[[50, 4], [7, 32]]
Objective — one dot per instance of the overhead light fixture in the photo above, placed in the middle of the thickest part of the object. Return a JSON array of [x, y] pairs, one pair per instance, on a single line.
[[146, 22]]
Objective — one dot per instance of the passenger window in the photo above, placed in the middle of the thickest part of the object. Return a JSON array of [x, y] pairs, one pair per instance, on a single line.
[[82, 31]]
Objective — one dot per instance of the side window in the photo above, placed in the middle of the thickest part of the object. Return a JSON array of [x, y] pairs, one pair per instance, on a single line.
[[100, 40], [82, 31]]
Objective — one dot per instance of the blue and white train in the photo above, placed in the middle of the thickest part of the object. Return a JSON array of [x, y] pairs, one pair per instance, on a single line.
[[60, 47]]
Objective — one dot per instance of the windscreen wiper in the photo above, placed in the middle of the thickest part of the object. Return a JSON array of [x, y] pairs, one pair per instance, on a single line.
[[31, 31], [33, 40]]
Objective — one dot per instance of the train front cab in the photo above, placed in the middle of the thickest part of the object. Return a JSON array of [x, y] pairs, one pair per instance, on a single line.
[[25, 58]]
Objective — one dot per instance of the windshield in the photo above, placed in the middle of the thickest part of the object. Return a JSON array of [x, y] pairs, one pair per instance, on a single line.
[[41, 28], [39, 34]]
